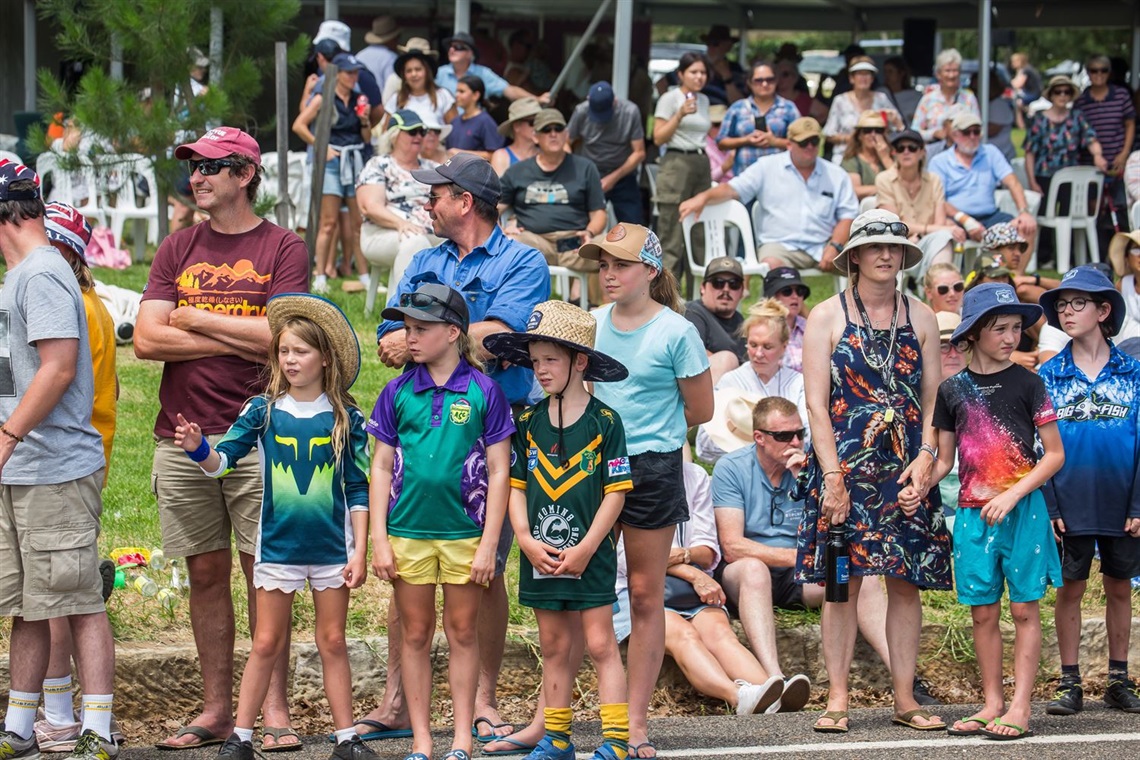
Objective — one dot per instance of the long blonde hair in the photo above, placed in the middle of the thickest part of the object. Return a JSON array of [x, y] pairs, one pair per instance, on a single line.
[[469, 351], [663, 289], [333, 382], [768, 312]]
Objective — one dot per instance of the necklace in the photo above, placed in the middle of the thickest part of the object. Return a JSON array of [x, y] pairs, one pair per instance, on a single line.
[[881, 364]]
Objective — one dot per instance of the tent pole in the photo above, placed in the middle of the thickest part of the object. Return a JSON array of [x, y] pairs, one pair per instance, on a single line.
[[623, 47], [576, 53], [29, 55], [1135, 44], [462, 18], [985, 19]]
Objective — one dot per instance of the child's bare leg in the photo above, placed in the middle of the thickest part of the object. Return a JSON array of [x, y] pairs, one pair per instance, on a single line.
[[417, 614], [274, 620], [332, 610], [988, 649], [461, 624], [598, 626], [1026, 660]]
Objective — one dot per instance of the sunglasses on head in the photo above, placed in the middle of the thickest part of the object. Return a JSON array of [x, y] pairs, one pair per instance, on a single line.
[[972, 131], [552, 128], [763, 80], [785, 436], [880, 228], [908, 147], [426, 301], [208, 167], [811, 142], [720, 283], [791, 290], [957, 287]]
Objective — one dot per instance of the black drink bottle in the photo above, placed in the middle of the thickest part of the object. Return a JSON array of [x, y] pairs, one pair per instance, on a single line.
[[836, 558]]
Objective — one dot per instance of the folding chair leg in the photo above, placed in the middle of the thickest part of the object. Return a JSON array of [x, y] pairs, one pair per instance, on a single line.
[[373, 285]]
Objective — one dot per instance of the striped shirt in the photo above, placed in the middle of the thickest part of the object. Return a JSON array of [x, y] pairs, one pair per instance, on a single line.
[[1107, 118]]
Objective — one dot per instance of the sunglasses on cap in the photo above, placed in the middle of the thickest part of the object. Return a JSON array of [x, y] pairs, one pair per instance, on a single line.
[[944, 290], [972, 131], [785, 436], [788, 292], [811, 142], [557, 128], [720, 283], [208, 167], [881, 228], [428, 301], [908, 147]]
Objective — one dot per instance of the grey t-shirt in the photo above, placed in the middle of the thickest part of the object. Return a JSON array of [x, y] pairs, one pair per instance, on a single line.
[[607, 145], [555, 201], [717, 334], [40, 300]]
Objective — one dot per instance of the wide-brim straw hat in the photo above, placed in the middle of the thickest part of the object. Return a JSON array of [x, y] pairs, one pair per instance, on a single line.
[[326, 315], [384, 29], [912, 254], [731, 425], [523, 108], [566, 325], [1118, 250], [1061, 81], [871, 120]]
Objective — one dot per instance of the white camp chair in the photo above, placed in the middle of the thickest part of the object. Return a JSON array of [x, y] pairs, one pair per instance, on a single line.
[[757, 219], [1081, 216], [1134, 215], [716, 219], [127, 204]]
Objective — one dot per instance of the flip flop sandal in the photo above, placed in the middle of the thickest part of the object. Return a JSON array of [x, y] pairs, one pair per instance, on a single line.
[[635, 750], [206, 738], [417, 756], [517, 748], [1022, 733], [381, 731], [457, 754], [277, 734], [964, 732], [605, 752], [835, 728], [485, 738], [907, 719]]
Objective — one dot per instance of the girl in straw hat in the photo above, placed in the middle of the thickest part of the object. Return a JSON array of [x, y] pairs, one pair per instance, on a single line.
[[314, 514], [569, 477]]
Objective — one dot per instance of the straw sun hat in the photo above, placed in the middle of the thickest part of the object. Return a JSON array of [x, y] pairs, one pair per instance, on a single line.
[[562, 323], [731, 425], [326, 315]]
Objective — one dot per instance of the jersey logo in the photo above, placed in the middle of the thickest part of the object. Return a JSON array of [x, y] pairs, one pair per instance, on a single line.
[[532, 458], [589, 462], [1090, 408], [608, 415], [461, 411], [619, 466], [555, 527]]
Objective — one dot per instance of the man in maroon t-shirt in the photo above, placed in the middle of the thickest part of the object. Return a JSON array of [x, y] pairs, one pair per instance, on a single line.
[[203, 315]]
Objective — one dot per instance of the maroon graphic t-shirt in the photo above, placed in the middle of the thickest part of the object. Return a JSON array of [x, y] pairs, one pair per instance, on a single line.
[[228, 274]]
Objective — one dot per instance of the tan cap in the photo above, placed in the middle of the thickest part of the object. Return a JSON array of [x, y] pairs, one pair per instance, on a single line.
[[803, 128], [965, 119], [629, 242], [717, 113], [948, 322], [546, 117], [871, 120], [724, 265]]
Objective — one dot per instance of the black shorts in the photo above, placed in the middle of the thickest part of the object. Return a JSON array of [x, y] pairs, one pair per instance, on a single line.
[[786, 593], [1119, 556], [658, 496]]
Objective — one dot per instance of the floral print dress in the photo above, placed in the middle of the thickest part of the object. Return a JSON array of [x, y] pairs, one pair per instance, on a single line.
[[878, 431]]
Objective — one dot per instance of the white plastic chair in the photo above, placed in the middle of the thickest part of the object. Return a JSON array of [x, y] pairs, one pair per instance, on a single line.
[[1018, 165], [757, 218], [1081, 216], [1134, 215], [868, 203], [77, 188], [560, 278], [716, 218], [651, 178], [128, 205]]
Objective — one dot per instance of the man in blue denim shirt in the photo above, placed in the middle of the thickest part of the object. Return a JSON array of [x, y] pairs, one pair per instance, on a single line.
[[502, 281]]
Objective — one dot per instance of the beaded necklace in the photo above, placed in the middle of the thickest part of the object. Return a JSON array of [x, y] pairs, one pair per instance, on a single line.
[[884, 364]]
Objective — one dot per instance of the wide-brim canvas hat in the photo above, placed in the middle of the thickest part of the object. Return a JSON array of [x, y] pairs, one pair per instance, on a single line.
[[1087, 279], [912, 254], [731, 425], [417, 43], [1060, 81], [871, 120], [523, 108], [326, 315], [1118, 250], [384, 29], [948, 322], [562, 323], [990, 298]]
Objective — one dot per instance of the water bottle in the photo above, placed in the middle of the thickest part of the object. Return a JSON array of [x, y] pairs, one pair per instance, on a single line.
[[145, 586], [836, 557], [157, 559], [168, 598]]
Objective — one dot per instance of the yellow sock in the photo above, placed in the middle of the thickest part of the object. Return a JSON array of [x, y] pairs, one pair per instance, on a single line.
[[615, 728], [557, 721]]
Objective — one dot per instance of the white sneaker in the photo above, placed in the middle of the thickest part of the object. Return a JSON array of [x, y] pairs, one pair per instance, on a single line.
[[797, 691], [54, 738], [320, 284], [757, 698]]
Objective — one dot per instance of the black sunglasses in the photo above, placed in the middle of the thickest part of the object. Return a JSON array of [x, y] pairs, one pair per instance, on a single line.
[[880, 228], [459, 46], [785, 436], [763, 80], [416, 132], [208, 167], [788, 292], [552, 128], [529, 121], [720, 283], [811, 142], [873, 130], [1098, 71], [957, 287], [908, 148], [972, 131], [1063, 91]]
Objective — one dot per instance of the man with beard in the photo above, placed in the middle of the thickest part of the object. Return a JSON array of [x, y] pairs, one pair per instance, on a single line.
[[715, 316]]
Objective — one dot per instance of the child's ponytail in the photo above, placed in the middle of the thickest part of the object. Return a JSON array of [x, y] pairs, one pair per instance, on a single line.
[[469, 351], [663, 289]]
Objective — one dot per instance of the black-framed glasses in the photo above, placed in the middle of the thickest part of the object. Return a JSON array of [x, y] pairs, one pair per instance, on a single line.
[[972, 131], [557, 128], [944, 290], [720, 283], [763, 80], [881, 228], [208, 167], [785, 436], [788, 292], [908, 148], [947, 347], [811, 142], [776, 514], [1098, 71], [1078, 304]]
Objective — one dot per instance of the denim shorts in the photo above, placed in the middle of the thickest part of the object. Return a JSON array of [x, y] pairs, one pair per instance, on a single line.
[[332, 185]]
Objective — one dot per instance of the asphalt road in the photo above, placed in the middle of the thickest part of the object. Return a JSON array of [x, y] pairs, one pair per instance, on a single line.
[[1093, 734]]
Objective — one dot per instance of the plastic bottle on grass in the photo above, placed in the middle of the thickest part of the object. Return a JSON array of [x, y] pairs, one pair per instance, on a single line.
[[145, 586]]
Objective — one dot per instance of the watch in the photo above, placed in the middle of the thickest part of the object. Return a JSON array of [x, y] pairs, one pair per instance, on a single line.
[[835, 245], [1023, 210]]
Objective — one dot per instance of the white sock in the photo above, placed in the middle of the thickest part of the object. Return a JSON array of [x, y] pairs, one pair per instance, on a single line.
[[344, 734], [58, 706], [366, 280], [21, 717], [97, 714], [245, 734]]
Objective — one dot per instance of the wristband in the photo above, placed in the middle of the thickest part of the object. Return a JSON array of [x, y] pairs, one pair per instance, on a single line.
[[929, 450], [199, 454], [10, 434], [832, 472]]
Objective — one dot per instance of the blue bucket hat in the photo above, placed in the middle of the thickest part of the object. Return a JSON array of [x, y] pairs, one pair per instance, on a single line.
[[993, 298], [1087, 279]]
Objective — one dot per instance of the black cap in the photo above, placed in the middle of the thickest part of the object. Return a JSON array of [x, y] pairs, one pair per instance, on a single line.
[[907, 134], [328, 48], [468, 171], [782, 277], [431, 302]]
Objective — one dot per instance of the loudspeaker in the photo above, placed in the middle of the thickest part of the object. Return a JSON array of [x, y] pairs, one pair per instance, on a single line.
[[918, 45]]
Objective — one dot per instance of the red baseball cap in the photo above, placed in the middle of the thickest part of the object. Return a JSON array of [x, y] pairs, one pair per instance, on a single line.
[[219, 143]]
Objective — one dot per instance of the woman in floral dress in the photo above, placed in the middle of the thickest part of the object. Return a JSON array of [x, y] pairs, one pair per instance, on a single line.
[[871, 373]]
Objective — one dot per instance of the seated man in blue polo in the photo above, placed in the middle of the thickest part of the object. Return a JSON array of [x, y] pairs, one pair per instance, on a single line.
[[971, 172]]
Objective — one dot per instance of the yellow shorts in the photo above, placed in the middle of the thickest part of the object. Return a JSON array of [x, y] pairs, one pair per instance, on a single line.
[[424, 562]]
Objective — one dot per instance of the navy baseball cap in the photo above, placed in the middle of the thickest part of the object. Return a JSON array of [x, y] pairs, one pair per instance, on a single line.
[[328, 47], [601, 101], [347, 62], [990, 298], [1087, 279], [431, 302], [467, 171]]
